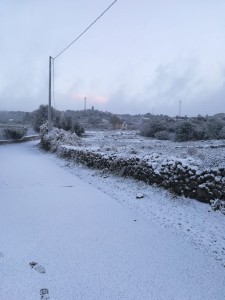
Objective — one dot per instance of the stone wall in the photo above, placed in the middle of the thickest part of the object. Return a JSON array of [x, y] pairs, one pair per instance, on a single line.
[[23, 139], [173, 175]]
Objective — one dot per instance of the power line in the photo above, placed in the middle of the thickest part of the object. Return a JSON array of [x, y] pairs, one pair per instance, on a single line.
[[86, 28]]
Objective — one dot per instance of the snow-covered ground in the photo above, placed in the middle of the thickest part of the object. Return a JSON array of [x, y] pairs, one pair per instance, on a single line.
[[93, 238], [207, 154], [195, 221]]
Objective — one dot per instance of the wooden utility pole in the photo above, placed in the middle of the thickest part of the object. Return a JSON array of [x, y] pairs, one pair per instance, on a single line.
[[50, 94]]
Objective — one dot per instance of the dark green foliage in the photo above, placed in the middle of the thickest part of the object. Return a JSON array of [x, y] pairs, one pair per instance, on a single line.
[[78, 129], [66, 123], [162, 135], [39, 117], [60, 120], [185, 131], [116, 121], [154, 125], [214, 128], [14, 133], [200, 129], [222, 133]]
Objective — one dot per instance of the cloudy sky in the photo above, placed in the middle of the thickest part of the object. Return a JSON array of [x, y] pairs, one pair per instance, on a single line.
[[141, 56]]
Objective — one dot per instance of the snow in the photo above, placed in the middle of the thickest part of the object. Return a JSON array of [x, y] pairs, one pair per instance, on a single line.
[[95, 240], [206, 154]]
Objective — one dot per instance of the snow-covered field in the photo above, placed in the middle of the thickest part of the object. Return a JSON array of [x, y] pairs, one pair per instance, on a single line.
[[207, 154], [95, 240]]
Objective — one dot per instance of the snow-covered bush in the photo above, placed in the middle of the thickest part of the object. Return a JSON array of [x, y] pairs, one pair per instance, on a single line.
[[153, 126], [61, 120], [56, 137], [215, 128], [195, 129], [185, 131], [44, 128], [39, 117], [14, 133]]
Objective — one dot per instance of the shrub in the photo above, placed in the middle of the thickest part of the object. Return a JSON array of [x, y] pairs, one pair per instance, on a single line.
[[66, 122], [152, 127], [214, 128], [69, 124], [222, 133], [14, 133], [116, 121], [78, 129], [185, 131], [60, 120], [39, 117], [162, 135]]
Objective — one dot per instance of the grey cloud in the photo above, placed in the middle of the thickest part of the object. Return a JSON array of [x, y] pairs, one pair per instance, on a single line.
[[173, 82]]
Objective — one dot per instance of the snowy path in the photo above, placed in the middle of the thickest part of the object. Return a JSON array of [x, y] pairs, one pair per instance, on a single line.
[[89, 244]]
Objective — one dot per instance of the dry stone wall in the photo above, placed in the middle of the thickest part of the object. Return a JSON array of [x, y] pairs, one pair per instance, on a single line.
[[179, 178], [23, 139]]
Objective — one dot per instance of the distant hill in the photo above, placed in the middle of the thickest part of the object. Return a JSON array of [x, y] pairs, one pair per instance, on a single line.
[[91, 118], [95, 119]]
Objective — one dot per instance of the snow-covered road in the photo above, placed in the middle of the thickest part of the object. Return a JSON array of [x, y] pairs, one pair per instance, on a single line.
[[90, 246]]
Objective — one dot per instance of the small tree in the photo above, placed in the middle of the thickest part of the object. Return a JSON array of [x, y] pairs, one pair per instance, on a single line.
[[116, 121], [184, 131], [78, 129], [214, 128], [39, 117], [152, 127], [66, 122]]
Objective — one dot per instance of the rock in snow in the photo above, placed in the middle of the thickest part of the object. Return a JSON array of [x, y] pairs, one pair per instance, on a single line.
[[139, 196]]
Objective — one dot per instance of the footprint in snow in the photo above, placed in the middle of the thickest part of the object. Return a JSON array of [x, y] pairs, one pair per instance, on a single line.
[[1, 255], [44, 294], [37, 267]]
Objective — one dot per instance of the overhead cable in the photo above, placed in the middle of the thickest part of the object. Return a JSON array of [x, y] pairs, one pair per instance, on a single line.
[[86, 28]]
